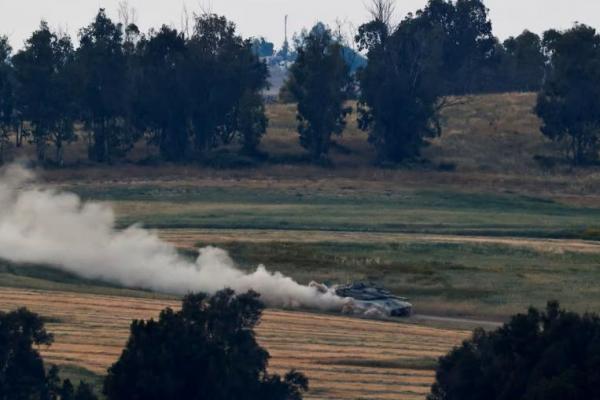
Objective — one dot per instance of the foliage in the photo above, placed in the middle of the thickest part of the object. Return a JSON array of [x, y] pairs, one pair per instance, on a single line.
[[539, 355], [161, 107], [229, 76], [447, 48], [83, 391], [200, 92], [319, 81], [524, 62], [45, 91], [262, 48], [190, 92], [467, 42], [206, 350], [569, 103], [102, 72], [22, 372], [7, 95], [251, 121], [401, 86]]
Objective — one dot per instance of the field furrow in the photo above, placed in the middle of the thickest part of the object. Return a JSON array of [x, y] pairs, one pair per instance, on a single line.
[[350, 359]]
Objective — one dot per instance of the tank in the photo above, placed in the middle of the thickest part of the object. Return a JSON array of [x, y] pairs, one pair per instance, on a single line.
[[372, 301]]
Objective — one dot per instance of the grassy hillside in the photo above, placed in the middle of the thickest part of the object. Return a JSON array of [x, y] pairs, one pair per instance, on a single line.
[[489, 143], [489, 133]]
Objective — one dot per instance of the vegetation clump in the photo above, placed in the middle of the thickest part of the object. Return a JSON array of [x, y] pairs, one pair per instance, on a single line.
[[539, 355], [208, 350], [319, 82], [186, 93], [569, 102], [22, 372], [433, 53]]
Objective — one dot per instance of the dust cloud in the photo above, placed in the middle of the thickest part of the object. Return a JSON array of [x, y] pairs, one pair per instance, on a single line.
[[40, 225]]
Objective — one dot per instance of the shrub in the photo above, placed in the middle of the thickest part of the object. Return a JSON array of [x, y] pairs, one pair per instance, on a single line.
[[208, 350], [551, 355]]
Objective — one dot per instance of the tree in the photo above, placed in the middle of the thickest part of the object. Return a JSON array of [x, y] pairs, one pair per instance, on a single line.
[[251, 121], [400, 86], [207, 350], [34, 67], [7, 95], [552, 355], [382, 11], [63, 97], [201, 92], [45, 94], [163, 104], [262, 48], [102, 70], [319, 81], [569, 102], [467, 42], [525, 61], [83, 391], [224, 75], [22, 372]]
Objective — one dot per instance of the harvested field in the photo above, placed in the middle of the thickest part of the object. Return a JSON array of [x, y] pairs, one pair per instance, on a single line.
[[344, 358], [189, 238]]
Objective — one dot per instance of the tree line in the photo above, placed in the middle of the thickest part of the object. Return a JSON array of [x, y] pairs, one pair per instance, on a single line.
[[188, 93], [207, 350], [184, 93], [445, 50]]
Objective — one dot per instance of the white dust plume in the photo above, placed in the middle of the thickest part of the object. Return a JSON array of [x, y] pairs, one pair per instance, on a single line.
[[42, 225]]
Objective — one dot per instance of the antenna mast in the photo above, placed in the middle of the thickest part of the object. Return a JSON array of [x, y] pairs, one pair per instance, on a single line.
[[286, 31]]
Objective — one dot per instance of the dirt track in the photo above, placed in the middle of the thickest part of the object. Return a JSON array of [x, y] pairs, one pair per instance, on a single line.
[[188, 238], [344, 358]]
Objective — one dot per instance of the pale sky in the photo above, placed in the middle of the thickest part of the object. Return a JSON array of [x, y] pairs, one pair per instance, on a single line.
[[18, 18]]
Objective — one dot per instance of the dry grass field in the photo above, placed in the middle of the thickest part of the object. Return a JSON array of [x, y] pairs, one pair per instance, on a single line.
[[343, 358]]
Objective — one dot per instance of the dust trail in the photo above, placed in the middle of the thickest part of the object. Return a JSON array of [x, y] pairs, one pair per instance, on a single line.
[[42, 225]]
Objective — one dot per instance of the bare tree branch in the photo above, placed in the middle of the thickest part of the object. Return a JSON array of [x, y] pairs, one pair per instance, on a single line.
[[382, 10], [345, 33], [127, 13], [453, 101], [205, 7], [185, 21]]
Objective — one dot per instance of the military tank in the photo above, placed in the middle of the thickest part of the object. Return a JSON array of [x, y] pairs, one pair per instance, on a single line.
[[373, 301], [365, 300]]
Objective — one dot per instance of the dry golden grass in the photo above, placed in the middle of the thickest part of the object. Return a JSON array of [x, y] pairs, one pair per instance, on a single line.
[[344, 358], [494, 133], [491, 139]]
